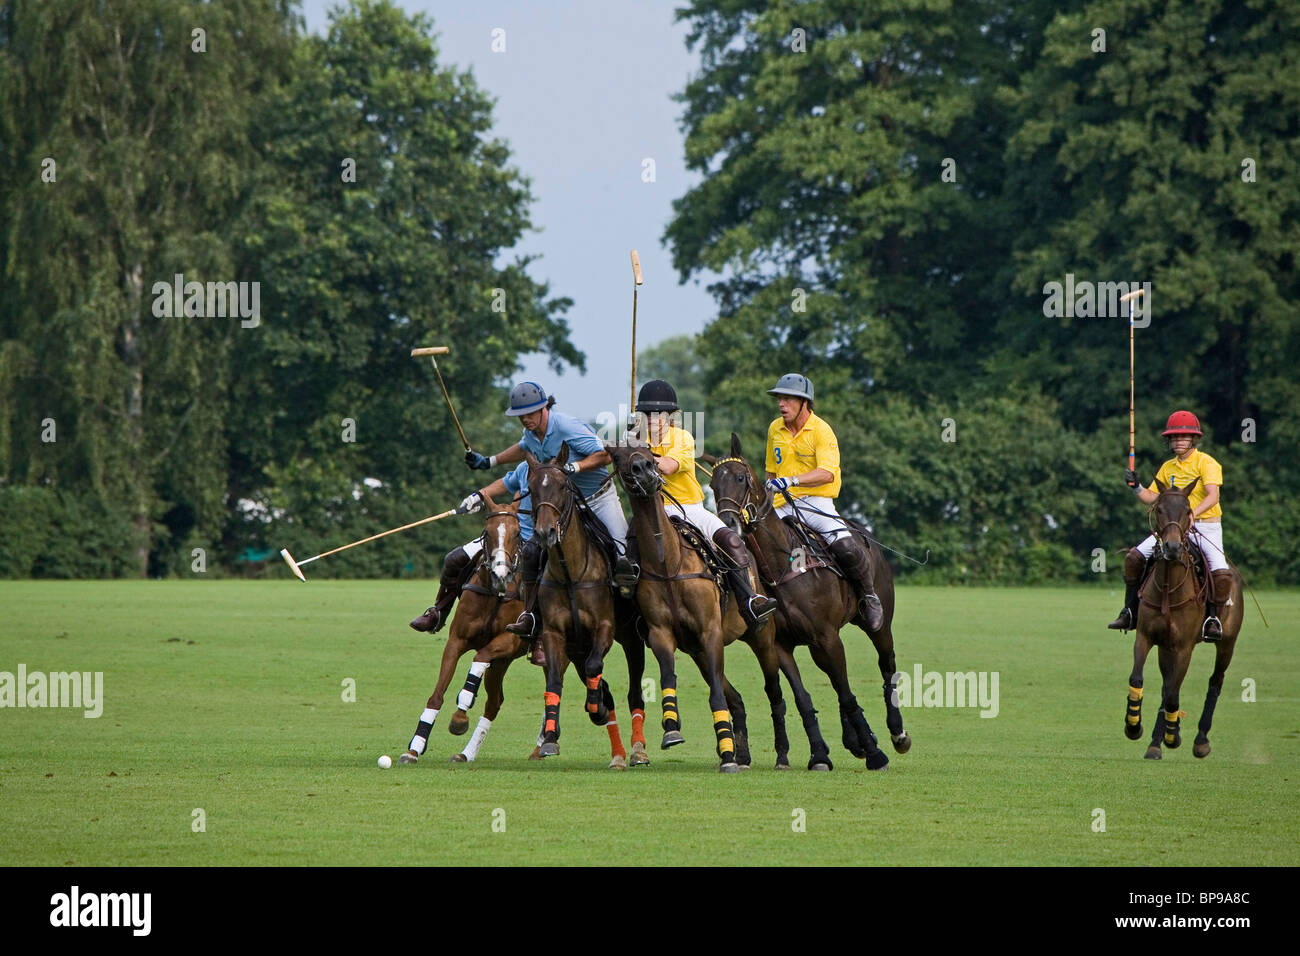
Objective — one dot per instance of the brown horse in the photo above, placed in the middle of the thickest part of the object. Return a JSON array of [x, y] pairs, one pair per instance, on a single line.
[[1169, 617], [489, 602], [815, 603], [578, 614], [680, 602]]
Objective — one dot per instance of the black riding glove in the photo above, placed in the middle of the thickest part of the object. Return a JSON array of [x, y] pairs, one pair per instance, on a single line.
[[1131, 479], [476, 461]]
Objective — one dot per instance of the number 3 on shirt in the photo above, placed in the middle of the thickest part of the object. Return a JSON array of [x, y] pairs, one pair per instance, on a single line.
[[777, 453]]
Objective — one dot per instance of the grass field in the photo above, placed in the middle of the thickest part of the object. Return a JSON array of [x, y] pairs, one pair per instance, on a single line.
[[228, 696]]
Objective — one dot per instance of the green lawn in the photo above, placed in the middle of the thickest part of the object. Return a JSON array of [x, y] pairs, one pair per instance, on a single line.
[[227, 696]]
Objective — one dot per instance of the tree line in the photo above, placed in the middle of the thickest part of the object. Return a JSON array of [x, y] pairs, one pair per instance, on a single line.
[[887, 194]]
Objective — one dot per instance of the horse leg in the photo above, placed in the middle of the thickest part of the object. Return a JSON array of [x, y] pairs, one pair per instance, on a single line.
[[1133, 711], [1166, 731], [709, 660], [884, 642], [634, 651], [820, 755], [829, 656], [765, 651], [600, 699], [736, 704], [1173, 716], [495, 698], [1223, 657], [420, 739], [557, 662], [663, 647]]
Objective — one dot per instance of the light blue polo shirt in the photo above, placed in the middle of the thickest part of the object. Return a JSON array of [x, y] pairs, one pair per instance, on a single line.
[[564, 430], [516, 483]]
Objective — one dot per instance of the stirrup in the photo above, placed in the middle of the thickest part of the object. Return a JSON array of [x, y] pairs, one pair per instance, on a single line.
[[758, 617], [1208, 637], [1124, 622], [626, 580]]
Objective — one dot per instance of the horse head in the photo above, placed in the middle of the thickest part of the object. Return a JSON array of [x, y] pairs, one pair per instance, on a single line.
[[1171, 519], [553, 497], [736, 489], [635, 466], [502, 537]]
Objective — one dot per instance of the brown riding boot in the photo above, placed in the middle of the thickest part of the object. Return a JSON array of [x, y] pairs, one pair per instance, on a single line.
[[1135, 566], [754, 608], [453, 568], [1221, 591], [856, 565]]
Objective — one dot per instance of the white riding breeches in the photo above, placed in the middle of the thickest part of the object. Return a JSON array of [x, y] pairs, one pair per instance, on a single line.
[[698, 515], [609, 510], [829, 525], [472, 548], [1208, 535]]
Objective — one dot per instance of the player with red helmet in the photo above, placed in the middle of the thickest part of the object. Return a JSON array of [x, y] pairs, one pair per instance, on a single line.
[[1188, 465]]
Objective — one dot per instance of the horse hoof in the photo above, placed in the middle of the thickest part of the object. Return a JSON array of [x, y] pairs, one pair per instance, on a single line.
[[458, 758], [671, 739], [618, 762], [1153, 753], [536, 754], [820, 765], [409, 757], [742, 766], [730, 767], [781, 765], [638, 757], [1201, 750], [902, 742], [1132, 732], [548, 749], [876, 760], [459, 723]]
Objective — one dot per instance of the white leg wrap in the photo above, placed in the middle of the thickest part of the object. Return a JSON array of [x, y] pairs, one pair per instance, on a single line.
[[476, 741]]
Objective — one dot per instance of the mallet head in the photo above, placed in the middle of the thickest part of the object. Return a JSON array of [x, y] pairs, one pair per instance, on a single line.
[[293, 565]]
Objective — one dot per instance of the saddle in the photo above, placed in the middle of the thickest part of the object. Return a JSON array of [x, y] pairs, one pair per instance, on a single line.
[[715, 562], [1203, 589], [817, 553]]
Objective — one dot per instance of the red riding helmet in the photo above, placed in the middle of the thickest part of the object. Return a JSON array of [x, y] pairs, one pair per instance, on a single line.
[[1182, 423]]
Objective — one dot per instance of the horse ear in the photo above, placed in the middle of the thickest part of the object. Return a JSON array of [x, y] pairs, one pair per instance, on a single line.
[[1187, 492], [707, 458], [563, 456], [1160, 486], [532, 461], [735, 446]]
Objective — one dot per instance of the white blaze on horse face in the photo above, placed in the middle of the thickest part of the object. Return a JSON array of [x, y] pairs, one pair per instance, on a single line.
[[500, 563]]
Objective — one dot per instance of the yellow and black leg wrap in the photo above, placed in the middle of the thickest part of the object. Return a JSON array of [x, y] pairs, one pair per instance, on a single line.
[[1134, 714], [726, 739], [1172, 720], [671, 720]]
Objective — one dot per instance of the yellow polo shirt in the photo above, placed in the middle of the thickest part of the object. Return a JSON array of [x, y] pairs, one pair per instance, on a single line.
[[680, 447], [1180, 474], [789, 456]]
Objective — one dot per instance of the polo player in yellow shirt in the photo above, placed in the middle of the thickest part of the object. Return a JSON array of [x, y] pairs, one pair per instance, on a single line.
[[1188, 465], [803, 462], [674, 451]]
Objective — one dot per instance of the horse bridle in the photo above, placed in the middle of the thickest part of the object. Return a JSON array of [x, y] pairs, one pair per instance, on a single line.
[[1185, 560], [562, 515], [748, 513]]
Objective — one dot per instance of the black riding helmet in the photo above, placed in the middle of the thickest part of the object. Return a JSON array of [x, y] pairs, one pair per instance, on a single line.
[[656, 396]]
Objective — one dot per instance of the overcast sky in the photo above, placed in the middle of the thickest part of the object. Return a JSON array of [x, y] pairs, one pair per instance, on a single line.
[[583, 97]]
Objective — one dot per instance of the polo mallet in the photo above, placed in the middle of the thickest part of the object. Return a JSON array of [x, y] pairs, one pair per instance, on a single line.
[[433, 354], [1130, 298], [296, 566], [637, 279]]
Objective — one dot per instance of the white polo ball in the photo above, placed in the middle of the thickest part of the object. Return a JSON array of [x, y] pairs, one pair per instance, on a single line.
[[385, 762]]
